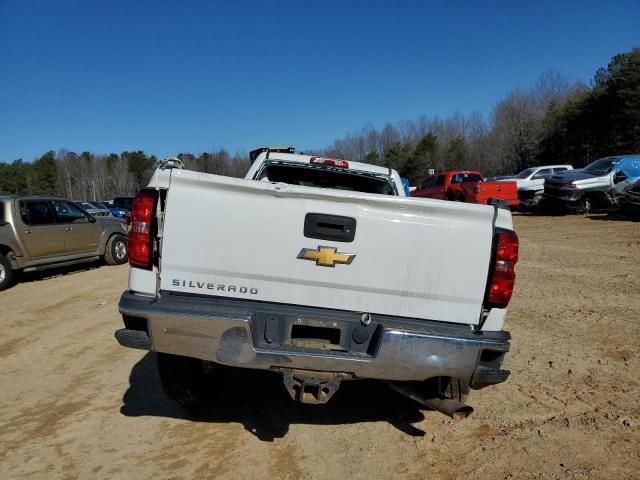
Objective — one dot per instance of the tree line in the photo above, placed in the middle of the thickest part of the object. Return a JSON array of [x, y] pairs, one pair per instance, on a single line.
[[87, 176], [554, 121]]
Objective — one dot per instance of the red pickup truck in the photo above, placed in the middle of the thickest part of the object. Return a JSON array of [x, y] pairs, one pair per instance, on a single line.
[[467, 186]]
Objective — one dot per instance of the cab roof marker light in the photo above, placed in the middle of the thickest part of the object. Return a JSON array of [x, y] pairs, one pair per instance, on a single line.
[[329, 162]]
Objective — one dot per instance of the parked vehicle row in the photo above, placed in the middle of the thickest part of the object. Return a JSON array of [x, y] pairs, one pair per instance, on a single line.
[[108, 208], [530, 182], [96, 209], [116, 211], [607, 182], [600, 184], [37, 233]]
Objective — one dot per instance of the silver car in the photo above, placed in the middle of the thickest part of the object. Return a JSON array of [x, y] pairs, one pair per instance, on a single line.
[[93, 210]]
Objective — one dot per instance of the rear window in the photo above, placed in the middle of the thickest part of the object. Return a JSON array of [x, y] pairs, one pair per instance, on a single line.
[[429, 182], [466, 177], [323, 177]]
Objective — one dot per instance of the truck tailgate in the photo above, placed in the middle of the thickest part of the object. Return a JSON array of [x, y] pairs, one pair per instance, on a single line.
[[239, 238]]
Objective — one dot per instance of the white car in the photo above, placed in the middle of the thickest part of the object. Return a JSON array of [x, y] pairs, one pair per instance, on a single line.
[[321, 270], [530, 182]]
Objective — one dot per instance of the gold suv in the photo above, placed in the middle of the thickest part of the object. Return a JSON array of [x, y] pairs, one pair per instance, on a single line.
[[44, 232]]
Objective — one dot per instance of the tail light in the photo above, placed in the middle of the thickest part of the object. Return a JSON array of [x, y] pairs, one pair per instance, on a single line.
[[503, 275], [329, 161], [140, 234]]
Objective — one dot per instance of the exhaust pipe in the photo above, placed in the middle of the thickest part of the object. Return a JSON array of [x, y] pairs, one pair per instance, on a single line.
[[452, 408]]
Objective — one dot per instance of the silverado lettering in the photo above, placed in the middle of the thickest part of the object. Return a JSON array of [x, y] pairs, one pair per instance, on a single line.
[[212, 286]]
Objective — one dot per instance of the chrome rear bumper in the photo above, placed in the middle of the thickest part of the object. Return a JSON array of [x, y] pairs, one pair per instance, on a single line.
[[269, 336]]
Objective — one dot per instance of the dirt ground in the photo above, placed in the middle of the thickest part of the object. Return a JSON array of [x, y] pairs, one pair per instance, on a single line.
[[74, 404]]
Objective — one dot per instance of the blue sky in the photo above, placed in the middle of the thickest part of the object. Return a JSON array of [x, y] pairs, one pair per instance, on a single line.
[[169, 77]]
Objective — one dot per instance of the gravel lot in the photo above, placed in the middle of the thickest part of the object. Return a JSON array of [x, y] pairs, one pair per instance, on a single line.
[[74, 404]]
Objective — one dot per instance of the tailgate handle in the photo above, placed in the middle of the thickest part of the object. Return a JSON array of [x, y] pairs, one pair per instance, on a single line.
[[329, 227]]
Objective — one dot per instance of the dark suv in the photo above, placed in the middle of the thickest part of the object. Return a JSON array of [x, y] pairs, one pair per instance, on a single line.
[[123, 202]]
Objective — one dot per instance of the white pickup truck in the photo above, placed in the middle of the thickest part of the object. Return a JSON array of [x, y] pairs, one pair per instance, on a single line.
[[530, 182], [321, 270]]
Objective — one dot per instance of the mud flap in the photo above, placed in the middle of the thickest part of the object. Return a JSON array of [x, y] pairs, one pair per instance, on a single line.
[[307, 386]]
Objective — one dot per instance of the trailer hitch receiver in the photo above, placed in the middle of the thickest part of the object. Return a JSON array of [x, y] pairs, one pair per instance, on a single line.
[[307, 386]]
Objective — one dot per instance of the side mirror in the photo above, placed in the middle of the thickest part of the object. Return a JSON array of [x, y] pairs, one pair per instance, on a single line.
[[619, 177], [91, 218]]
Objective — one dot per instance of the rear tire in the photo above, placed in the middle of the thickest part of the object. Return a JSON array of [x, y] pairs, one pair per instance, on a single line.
[[6, 273], [188, 381], [116, 252]]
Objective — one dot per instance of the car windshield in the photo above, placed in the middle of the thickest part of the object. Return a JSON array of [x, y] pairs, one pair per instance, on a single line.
[[98, 205], [86, 205], [525, 173], [600, 167]]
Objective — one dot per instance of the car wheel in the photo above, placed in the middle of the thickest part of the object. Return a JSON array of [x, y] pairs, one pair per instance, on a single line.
[[116, 252], [188, 381], [6, 272]]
